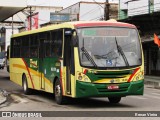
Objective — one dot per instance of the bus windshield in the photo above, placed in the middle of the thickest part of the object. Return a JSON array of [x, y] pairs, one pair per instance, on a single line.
[[109, 47]]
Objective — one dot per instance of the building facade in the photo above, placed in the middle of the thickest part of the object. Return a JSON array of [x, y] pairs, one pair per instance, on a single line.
[[90, 11], [21, 22], [145, 15], [2, 38], [83, 11]]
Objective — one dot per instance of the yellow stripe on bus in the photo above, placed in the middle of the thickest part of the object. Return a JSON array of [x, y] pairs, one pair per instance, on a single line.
[[33, 72], [19, 66]]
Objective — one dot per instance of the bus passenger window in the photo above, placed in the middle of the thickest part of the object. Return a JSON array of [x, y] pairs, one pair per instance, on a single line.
[[34, 43], [56, 46], [33, 52]]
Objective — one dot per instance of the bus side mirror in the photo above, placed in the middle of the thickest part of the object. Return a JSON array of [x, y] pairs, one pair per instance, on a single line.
[[72, 33], [74, 38], [68, 32]]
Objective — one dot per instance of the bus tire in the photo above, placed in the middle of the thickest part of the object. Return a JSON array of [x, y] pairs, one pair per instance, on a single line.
[[26, 90], [60, 99], [114, 99]]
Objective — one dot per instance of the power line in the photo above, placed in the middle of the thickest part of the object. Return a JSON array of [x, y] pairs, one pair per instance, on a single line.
[[141, 11], [19, 18], [91, 11], [97, 18], [142, 7], [98, 3]]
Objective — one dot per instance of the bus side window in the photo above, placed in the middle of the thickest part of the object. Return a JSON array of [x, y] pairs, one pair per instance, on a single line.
[[34, 43], [47, 45], [16, 48], [25, 47], [56, 47]]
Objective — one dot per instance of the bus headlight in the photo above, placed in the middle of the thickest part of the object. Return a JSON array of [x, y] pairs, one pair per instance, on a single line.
[[82, 77], [139, 76], [79, 77], [86, 79]]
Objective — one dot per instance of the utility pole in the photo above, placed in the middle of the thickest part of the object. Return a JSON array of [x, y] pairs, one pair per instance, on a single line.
[[30, 14], [106, 11], [12, 26]]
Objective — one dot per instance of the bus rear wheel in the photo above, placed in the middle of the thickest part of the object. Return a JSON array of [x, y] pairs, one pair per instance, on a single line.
[[60, 99], [114, 99], [26, 90]]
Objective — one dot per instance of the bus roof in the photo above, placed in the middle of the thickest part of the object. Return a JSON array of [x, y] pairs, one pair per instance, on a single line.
[[76, 24], [111, 22]]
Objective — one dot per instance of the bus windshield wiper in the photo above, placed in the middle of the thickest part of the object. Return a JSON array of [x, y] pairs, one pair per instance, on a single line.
[[120, 51], [88, 56]]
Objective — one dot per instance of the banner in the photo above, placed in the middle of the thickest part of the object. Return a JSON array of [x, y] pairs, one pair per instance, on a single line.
[[156, 40], [33, 22]]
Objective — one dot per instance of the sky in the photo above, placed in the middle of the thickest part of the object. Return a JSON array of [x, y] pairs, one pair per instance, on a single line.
[[61, 3]]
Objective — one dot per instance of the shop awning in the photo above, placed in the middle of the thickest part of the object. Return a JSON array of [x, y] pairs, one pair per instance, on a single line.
[[10, 7]]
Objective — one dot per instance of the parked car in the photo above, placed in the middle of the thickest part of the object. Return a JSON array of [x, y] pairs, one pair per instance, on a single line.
[[2, 60], [2, 63]]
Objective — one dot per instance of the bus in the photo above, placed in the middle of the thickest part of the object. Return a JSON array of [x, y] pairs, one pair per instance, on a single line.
[[79, 59]]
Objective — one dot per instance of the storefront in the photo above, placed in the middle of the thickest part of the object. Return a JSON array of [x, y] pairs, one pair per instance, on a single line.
[[151, 58]]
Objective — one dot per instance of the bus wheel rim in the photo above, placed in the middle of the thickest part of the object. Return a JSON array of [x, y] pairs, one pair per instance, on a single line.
[[25, 86], [58, 90]]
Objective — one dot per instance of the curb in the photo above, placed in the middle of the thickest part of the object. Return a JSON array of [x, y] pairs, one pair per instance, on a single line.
[[153, 82], [3, 96]]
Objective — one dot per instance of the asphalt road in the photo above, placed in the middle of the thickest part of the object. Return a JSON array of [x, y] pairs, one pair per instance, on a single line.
[[41, 101]]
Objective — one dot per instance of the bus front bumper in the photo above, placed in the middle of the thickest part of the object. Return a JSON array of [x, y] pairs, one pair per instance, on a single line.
[[84, 89]]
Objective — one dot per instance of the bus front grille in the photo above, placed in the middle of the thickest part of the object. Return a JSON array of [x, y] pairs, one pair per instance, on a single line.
[[116, 74]]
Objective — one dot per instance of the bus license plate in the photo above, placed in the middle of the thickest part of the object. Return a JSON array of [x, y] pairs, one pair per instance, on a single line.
[[113, 87]]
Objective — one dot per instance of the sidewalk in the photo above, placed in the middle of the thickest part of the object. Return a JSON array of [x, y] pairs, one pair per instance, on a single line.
[[3, 96], [153, 81]]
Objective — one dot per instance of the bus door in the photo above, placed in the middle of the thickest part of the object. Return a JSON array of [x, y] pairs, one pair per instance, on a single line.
[[68, 61], [41, 64], [44, 59]]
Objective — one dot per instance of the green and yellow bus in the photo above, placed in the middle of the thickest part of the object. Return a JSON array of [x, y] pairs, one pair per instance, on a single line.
[[79, 59]]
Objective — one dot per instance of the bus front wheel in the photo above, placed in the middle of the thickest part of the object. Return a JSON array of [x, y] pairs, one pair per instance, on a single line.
[[26, 90], [114, 99], [60, 99]]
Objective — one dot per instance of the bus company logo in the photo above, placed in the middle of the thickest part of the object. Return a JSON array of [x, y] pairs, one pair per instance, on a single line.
[[112, 81], [6, 114], [21, 114], [33, 63]]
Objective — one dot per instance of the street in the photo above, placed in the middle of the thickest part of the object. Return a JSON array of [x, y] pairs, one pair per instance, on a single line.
[[41, 101]]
